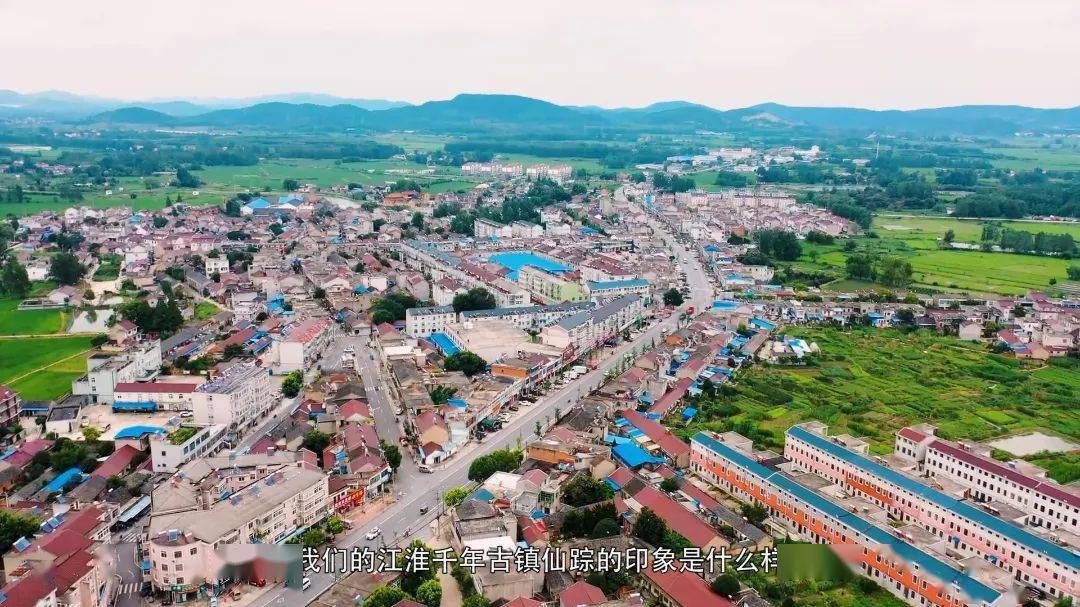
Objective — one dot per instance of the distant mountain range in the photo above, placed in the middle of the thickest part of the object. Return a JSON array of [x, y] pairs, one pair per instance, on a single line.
[[62, 105], [472, 113]]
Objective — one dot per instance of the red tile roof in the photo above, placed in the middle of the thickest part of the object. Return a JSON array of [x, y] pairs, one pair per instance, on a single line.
[[62, 543], [523, 602], [117, 462], [993, 467], [685, 588], [677, 517], [672, 398], [581, 593], [912, 435], [671, 445], [155, 387]]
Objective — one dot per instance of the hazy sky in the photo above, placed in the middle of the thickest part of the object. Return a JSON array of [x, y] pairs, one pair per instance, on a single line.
[[724, 53]]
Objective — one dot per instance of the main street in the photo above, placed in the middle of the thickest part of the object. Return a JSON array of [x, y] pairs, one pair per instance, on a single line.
[[402, 521]]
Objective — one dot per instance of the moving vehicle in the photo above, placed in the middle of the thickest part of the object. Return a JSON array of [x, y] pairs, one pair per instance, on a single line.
[[423, 509], [374, 533], [306, 583]]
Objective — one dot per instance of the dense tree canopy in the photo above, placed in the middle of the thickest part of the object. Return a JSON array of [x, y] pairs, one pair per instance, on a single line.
[[476, 298]]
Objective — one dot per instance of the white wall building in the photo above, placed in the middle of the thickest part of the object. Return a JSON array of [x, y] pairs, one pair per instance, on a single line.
[[237, 399]]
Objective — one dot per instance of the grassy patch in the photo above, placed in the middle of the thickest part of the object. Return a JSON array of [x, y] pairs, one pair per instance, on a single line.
[[29, 322], [204, 310], [109, 269], [872, 382], [1062, 467]]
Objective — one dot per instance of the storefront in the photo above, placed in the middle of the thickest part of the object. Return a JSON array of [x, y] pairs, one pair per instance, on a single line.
[[348, 499]]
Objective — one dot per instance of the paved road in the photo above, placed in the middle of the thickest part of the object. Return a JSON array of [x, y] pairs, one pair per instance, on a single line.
[[402, 521], [125, 566]]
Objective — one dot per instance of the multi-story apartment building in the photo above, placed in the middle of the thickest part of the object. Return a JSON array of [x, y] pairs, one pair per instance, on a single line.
[[422, 322], [237, 399], [486, 228], [580, 332], [548, 287], [618, 288], [170, 451], [303, 344], [970, 530], [524, 229], [9, 405], [184, 549], [141, 362], [1020, 485], [896, 563]]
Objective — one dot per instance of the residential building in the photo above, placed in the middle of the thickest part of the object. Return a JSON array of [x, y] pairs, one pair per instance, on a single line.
[[303, 344], [164, 396], [185, 549], [1032, 559], [549, 287], [139, 362], [9, 405], [170, 451], [1019, 484], [237, 399], [887, 556]]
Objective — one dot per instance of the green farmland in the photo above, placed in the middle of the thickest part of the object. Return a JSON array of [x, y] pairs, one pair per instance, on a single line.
[[871, 382], [917, 239], [30, 322], [42, 368]]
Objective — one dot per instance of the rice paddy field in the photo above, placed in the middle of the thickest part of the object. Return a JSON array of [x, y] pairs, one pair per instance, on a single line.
[[42, 368], [917, 239], [1026, 155], [30, 322], [871, 382], [267, 176]]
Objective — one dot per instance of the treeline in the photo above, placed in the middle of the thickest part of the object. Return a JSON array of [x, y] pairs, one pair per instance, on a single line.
[[937, 157], [1013, 202], [347, 152], [800, 173], [146, 161], [610, 155], [1026, 242]]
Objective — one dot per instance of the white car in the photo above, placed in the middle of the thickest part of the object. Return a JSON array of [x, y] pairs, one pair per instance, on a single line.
[[374, 533], [349, 350]]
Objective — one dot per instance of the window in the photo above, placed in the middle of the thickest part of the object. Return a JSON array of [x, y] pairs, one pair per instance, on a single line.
[[194, 550]]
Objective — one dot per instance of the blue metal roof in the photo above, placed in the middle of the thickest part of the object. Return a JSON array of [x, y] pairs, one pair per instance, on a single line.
[[140, 406], [963, 509], [62, 479], [138, 432], [909, 553], [443, 342], [634, 456]]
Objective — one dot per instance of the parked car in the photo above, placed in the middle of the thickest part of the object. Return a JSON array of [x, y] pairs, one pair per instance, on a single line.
[[424, 468]]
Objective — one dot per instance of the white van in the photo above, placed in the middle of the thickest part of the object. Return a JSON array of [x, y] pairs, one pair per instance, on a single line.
[[306, 584]]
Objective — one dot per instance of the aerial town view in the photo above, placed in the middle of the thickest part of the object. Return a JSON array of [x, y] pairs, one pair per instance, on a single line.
[[604, 304]]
